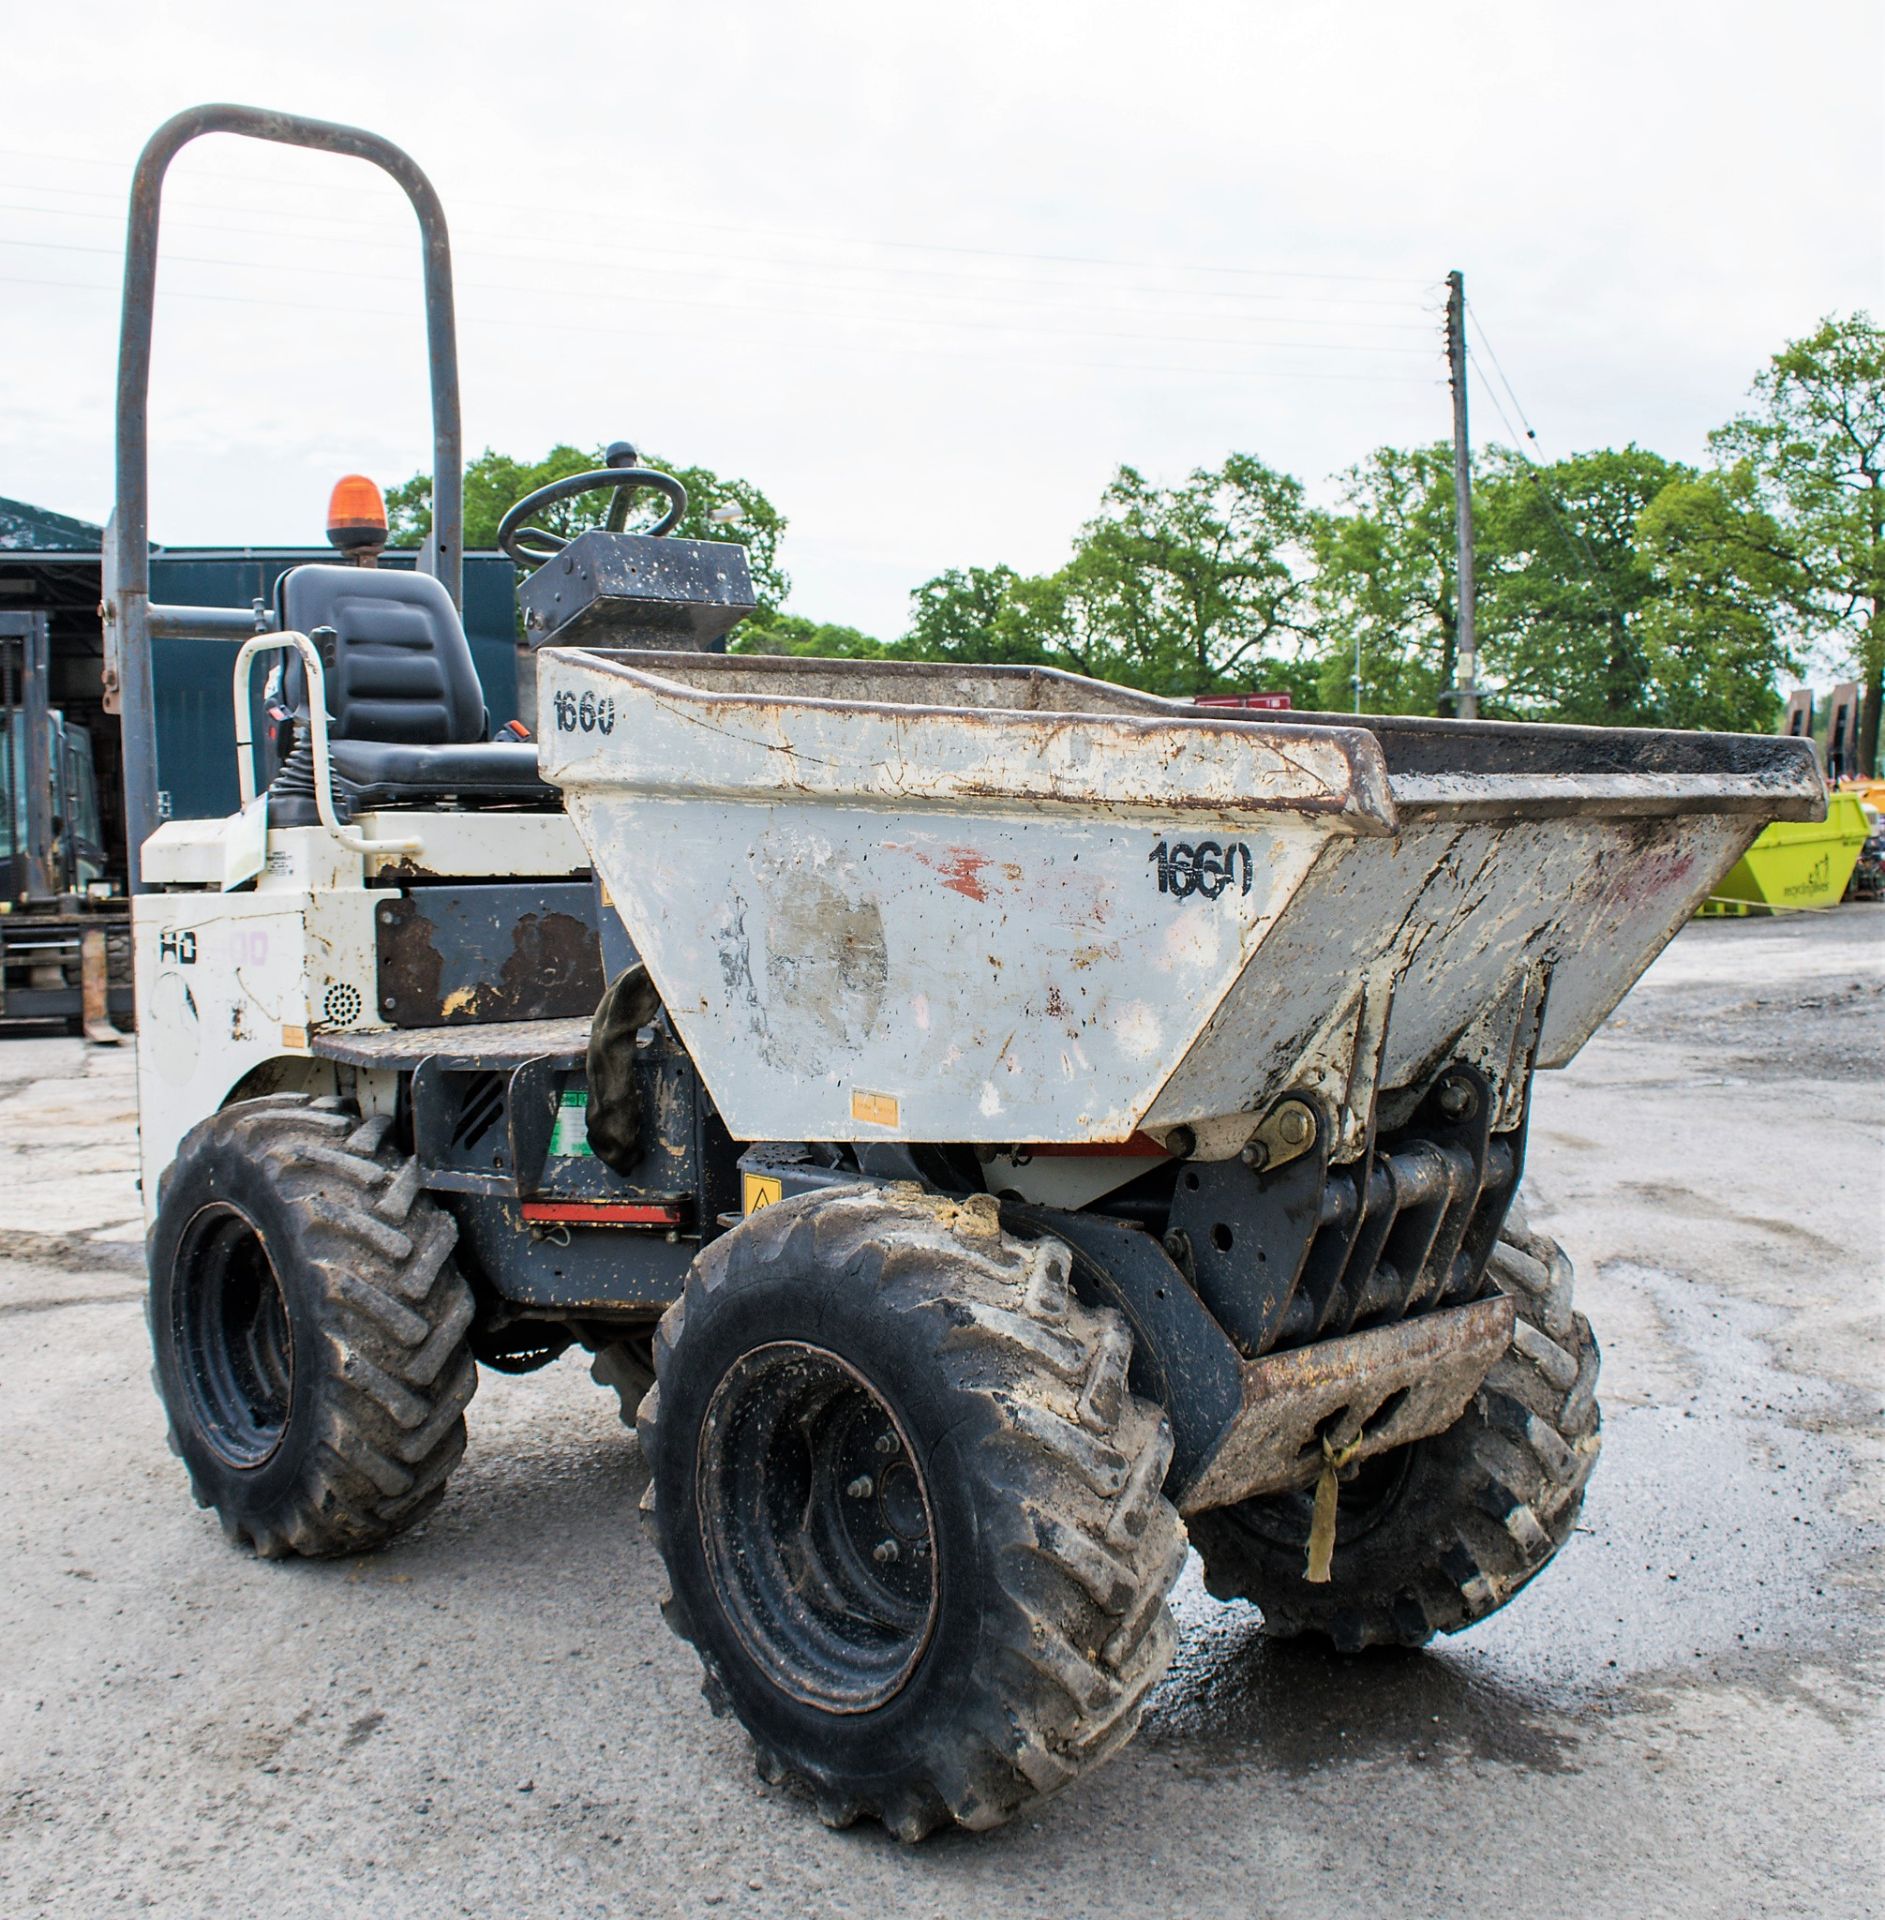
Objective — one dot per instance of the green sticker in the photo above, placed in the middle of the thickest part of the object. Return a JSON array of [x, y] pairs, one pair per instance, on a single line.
[[570, 1135]]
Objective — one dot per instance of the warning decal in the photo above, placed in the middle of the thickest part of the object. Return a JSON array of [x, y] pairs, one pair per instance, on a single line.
[[759, 1190], [875, 1109]]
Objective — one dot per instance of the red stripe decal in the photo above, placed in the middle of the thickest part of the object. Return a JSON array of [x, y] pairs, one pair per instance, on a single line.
[[601, 1213]]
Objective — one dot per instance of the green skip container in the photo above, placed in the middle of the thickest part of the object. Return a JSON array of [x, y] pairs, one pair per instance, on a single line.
[[1795, 863]]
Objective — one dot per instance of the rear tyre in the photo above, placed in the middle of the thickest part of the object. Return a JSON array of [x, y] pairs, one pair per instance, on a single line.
[[309, 1327], [1435, 1536], [911, 1513]]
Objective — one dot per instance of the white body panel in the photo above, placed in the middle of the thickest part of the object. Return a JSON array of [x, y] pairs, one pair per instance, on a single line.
[[932, 976], [228, 983], [232, 987]]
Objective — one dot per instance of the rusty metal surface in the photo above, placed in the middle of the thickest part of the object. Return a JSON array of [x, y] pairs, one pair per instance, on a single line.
[[904, 735], [914, 902], [457, 955], [1382, 1388], [634, 590], [1432, 949], [921, 921], [494, 1044]]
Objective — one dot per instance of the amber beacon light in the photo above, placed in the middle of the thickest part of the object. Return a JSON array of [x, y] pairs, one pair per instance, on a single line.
[[356, 519]]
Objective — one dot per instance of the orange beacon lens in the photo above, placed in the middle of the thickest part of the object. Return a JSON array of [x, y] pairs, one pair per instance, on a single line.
[[356, 513]]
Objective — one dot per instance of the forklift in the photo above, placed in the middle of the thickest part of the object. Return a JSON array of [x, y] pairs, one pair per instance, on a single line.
[[65, 931]]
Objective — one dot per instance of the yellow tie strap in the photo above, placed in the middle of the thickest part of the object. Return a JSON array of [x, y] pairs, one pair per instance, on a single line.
[[1322, 1526]]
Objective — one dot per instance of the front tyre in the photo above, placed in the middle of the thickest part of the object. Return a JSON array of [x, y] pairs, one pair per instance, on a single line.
[[308, 1327], [910, 1511], [1436, 1535]]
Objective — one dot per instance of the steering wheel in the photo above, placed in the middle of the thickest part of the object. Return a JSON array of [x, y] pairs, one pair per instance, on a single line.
[[531, 546]]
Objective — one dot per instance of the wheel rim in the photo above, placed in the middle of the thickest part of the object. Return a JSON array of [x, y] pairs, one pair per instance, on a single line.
[[1367, 1499], [234, 1343], [816, 1523]]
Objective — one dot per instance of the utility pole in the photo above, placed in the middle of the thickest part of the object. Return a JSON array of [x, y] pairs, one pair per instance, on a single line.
[[1466, 690]]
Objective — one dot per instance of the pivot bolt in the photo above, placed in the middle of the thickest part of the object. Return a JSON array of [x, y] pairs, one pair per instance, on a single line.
[[885, 1551], [1293, 1124], [1177, 1245], [862, 1487], [1456, 1098]]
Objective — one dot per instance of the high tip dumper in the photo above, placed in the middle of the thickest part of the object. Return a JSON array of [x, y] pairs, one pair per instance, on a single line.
[[990, 1127]]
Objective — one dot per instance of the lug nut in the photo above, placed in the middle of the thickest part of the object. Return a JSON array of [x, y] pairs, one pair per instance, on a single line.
[[862, 1487], [886, 1443], [884, 1552]]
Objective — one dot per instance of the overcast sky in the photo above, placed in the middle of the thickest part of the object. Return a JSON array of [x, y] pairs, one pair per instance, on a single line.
[[925, 274]]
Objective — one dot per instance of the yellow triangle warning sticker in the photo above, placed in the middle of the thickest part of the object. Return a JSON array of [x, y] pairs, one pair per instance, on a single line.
[[760, 1190]]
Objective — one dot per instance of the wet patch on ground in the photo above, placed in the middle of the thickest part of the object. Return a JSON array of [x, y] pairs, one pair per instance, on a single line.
[[1717, 1544], [1235, 1698]]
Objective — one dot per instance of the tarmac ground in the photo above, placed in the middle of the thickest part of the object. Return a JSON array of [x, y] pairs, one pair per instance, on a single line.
[[1681, 1717]]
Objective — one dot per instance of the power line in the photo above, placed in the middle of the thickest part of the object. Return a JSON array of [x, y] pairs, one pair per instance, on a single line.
[[1492, 395], [533, 324], [1536, 474], [825, 316], [1531, 432], [921, 319], [535, 211], [403, 243]]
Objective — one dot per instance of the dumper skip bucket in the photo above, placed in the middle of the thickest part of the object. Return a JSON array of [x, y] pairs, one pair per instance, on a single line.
[[1008, 905]]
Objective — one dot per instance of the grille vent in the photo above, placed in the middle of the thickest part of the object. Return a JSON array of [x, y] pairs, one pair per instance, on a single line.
[[341, 1006]]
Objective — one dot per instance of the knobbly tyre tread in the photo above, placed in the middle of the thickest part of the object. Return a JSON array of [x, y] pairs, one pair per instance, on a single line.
[[1071, 1466], [1499, 1492], [392, 1369]]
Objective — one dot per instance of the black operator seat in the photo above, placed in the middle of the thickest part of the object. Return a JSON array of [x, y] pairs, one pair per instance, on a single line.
[[407, 723]]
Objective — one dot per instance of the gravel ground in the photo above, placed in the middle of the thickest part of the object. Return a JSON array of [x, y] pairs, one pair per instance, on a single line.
[[489, 1719]]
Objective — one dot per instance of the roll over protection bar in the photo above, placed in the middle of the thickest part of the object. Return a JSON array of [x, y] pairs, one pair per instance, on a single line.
[[130, 620]]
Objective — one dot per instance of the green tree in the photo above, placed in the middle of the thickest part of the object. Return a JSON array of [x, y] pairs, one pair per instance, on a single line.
[[1814, 446], [1562, 588], [975, 614], [1196, 588], [718, 508], [1713, 634], [1622, 589], [1387, 584], [765, 632]]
